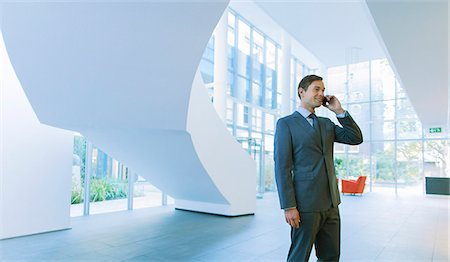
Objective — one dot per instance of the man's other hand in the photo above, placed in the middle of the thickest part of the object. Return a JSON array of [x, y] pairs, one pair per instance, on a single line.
[[292, 217]]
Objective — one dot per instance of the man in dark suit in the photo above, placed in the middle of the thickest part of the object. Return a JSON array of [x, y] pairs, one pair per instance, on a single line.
[[305, 175]]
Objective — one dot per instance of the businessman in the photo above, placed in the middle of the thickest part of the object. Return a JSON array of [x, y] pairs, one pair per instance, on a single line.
[[305, 175]]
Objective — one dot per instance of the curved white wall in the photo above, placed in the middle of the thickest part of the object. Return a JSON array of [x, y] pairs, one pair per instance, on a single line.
[[122, 75], [221, 155], [35, 164]]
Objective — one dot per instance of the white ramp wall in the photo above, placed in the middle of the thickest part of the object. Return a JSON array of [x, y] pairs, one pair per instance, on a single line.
[[222, 157], [35, 164], [122, 75]]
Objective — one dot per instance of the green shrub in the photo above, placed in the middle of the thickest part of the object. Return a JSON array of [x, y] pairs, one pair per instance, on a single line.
[[101, 190], [105, 189], [77, 196]]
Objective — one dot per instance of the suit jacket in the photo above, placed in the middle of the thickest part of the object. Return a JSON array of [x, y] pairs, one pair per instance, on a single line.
[[304, 169]]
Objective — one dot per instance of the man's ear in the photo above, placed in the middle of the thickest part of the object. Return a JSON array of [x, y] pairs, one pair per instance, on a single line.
[[300, 92]]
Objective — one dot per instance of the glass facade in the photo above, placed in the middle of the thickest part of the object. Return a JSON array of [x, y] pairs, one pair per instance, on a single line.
[[78, 175], [395, 151], [108, 183], [110, 188]]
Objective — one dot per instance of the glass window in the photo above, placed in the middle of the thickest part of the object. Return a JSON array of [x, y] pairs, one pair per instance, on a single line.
[[360, 112], [339, 148], [256, 139], [337, 79], [257, 120], [231, 86], [145, 194], [278, 57], [339, 161], [78, 175], [207, 71], [231, 19], [383, 161], [383, 130], [258, 47], [405, 109], [269, 78], [207, 63], [409, 159], [231, 58], [269, 175], [242, 133], [358, 162], [270, 81], [274, 91], [383, 80], [243, 64], [296, 76], [229, 113], [243, 37], [231, 29], [409, 129], [270, 55], [257, 72], [239, 114], [241, 88], [258, 61], [358, 88], [246, 115], [401, 93], [268, 142], [209, 51], [384, 110], [248, 90], [108, 184], [257, 94], [293, 79], [436, 158], [268, 98], [278, 100], [270, 123]]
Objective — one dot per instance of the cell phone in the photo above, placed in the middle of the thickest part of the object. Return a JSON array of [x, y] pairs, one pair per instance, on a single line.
[[324, 101]]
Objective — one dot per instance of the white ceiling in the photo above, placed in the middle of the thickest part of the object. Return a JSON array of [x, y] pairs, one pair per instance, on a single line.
[[329, 29], [413, 35]]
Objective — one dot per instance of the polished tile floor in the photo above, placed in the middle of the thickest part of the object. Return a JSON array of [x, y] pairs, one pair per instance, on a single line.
[[377, 226]]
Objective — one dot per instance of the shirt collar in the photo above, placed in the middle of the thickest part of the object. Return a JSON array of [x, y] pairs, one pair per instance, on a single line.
[[303, 111]]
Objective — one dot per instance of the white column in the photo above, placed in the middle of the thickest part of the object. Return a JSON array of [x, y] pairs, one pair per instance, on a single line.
[[132, 178], [284, 73], [220, 66], [87, 178]]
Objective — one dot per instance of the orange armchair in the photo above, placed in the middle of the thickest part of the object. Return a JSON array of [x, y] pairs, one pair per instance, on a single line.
[[354, 186]]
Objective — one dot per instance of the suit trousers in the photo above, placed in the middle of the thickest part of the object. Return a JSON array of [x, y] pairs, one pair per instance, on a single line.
[[321, 229]]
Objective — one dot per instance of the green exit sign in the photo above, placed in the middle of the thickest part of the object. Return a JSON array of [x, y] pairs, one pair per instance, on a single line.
[[434, 130]]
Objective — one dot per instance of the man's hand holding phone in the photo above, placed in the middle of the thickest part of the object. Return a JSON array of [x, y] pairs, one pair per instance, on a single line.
[[331, 102]]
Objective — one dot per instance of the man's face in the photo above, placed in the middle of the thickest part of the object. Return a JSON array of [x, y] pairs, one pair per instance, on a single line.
[[313, 97]]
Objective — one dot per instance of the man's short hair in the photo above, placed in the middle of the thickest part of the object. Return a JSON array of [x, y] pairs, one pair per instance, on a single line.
[[306, 81]]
